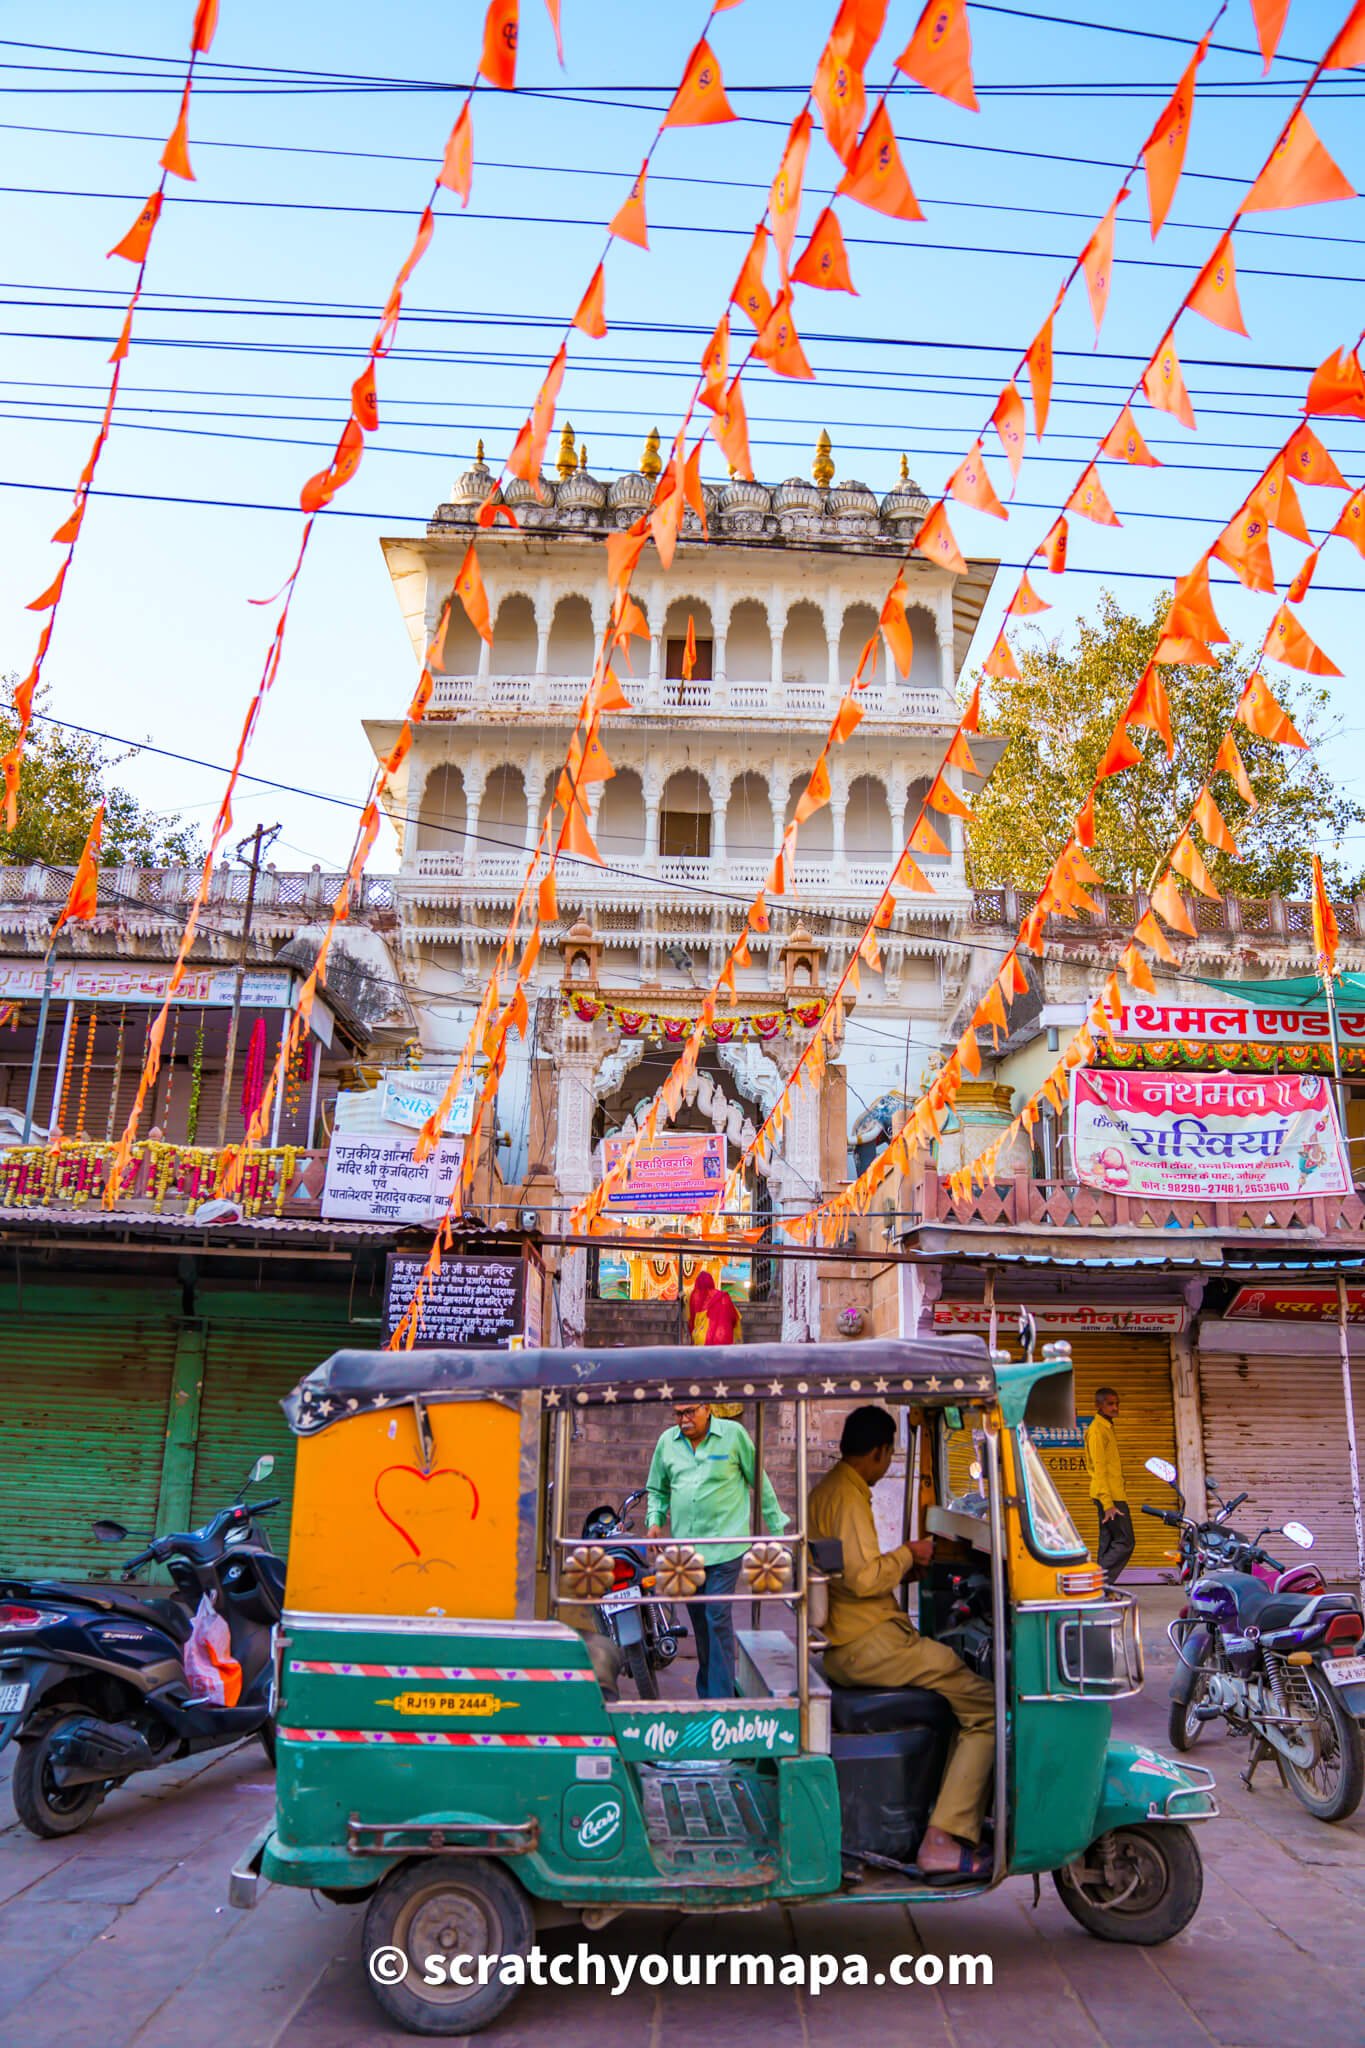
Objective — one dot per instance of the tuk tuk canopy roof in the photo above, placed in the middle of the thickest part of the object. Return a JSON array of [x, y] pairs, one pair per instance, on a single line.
[[939, 1370]]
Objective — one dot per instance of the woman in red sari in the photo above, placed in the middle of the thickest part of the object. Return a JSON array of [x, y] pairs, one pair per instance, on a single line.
[[698, 1302]]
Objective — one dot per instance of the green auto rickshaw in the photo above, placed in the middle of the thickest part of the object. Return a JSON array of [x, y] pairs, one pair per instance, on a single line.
[[448, 1752]]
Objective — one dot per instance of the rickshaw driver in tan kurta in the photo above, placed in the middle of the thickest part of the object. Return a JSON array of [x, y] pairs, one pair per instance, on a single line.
[[872, 1642]]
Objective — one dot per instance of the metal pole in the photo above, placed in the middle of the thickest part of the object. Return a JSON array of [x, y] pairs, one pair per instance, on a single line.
[[990, 1310], [803, 1604], [1352, 1448], [756, 1499], [312, 1137], [37, 1059], [1329, 990], [62, 1056], [261, 839]]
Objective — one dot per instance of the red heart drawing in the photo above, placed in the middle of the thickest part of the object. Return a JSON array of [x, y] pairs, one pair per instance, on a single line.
[[416, 1472]]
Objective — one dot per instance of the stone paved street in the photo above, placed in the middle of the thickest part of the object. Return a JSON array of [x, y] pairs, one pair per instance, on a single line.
[[123, 1939]]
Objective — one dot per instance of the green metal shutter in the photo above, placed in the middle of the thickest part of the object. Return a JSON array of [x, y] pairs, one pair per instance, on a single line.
[[249, 1366], [84, 1401]]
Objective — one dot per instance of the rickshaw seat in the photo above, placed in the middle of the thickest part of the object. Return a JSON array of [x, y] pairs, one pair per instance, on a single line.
[[874, 1710]]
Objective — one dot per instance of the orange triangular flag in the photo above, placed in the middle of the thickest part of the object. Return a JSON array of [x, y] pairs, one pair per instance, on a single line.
[[1097, 259], [1118, 755], [909, 875], [1269, 16], [1085, 821], [83, 896], [839, 92], [1192, 611], [1009, 423], [1163, 153], [943, 798], [457, 169], [50, 597], [1287, 642], [823, 262], [628, 223], [1229, 762], [1187, 862], [1124, 443], [750, 294], [1026, 599], [689, 656], [1338, 387], [1298, 589], [959, 754], [1149, 706], [1053, 546], [1244, 544], [590, 319], [816, 792], [846, 720], [575, 837], [1113, 997], [1351, 525], [935, 539], [1260, 713], [1137, 970], [499, 60], [528, 450], [700, 100], [970, 483], [1282, 502], [1309, 462], [624, 551], [1164, 384], [1091, 500], [1000, 661], [896, 626], [1299, 173], [876, 176], [969, 1052], [472, 595], [135, 243], [1349, 48], [779, 345], [730, 427], [1214, 291], [939, 53], [970, 720], [925, 840], [1212, 823], [715, 366], [1170, 904], [175, 157], [784, 197], [1040, 376], [547, 899], [1324, 924]]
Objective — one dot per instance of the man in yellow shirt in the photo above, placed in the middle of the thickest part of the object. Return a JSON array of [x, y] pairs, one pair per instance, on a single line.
[[872, 1641], [1105, 1466]]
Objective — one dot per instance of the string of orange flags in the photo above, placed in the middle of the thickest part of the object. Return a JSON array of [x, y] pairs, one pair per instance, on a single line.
[[1064, 892], [971, 482], [497, 64], [133, 247]]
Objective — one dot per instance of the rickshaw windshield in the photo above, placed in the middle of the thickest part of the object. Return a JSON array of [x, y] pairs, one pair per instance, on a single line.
[[1050, 1529]]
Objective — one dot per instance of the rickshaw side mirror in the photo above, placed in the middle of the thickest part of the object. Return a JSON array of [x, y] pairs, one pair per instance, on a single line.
[[827, 1555]]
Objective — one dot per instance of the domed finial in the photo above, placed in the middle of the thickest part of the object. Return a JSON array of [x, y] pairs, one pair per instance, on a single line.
[[583, 456], [822, 469], [905, 471], [478, 451], [651, 461], [568, 461]]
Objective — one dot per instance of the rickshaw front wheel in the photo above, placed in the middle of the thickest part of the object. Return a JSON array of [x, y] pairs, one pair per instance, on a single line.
[[427, 1929], [1140, 1885]]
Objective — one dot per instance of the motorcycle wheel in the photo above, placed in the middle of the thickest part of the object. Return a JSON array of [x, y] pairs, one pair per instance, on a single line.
[[1182, 1727], [1331, 1788], [46, 1808], [641, 1670], [433, 1908], [1152, 1891]]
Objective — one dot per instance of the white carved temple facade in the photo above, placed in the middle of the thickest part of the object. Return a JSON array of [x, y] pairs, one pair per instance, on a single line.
[[782, 593]]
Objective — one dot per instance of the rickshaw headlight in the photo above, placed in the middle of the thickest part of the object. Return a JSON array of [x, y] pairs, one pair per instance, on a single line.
[[767, 1568], [679, 1569], [588, 1573]]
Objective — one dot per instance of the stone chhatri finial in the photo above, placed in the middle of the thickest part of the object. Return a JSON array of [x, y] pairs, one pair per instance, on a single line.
[[822, 469], [583, 456], [651, 460], [905, 471], [478, 450], [568, 460]]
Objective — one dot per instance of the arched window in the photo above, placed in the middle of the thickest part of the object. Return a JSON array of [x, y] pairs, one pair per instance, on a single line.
[[860, 623], [573, 647], [867, 824], [749, 820], [514, 637], [460, 654], [441, 818], [924, 642], [685, 817], [816, 838], [621, 820], [675, 638], [748, 644], [502, 814], [805, 651]]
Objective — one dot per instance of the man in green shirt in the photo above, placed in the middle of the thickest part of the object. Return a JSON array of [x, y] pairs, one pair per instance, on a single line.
[[701, 1481]]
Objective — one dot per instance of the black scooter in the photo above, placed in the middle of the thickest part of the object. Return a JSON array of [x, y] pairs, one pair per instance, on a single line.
[[92, 1678]]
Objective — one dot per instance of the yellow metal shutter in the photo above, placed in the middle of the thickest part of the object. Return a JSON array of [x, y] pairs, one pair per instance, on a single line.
[[1139, 1370]]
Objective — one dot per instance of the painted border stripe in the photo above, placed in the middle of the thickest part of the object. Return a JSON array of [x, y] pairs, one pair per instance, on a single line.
[[482, 1673], [409, 1738]]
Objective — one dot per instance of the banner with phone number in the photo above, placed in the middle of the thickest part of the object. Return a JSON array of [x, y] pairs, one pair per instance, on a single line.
[[1206, 1137]]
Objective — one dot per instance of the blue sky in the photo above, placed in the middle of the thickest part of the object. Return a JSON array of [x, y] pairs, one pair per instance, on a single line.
[[263, 287]]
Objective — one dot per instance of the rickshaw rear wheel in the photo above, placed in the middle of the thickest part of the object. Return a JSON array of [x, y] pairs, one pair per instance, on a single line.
[[424, 1916], [1139, 1885]]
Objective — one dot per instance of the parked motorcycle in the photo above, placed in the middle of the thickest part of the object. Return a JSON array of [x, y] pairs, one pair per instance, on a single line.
[[646, 1636], [1269, 1650], [93, 1682]]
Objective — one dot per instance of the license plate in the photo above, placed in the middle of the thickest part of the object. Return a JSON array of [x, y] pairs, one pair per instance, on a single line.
[[12, 1698], [615, 1600], [1343, 1670]]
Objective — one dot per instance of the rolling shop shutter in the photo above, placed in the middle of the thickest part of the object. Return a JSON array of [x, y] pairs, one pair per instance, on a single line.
[[1139, 1369], [84, 1401], [249, 1366], [1277, 1427]]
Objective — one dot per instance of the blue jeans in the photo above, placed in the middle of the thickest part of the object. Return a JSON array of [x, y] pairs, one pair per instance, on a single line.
[[715, 1630]]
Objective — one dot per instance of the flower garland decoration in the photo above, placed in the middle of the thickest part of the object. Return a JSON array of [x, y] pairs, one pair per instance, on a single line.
[[196, 1085], [84, 1094], [112, 1117]]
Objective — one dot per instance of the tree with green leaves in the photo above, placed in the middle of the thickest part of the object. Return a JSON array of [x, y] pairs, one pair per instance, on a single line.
[[1056, 721], [66, 775]]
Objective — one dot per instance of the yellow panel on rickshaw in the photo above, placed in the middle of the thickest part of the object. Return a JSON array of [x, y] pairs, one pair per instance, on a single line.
[[378, 1528]]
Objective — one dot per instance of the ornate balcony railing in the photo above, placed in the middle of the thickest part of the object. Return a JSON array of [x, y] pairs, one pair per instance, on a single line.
[[539, 696], [1024, 1202], [1257, 917]]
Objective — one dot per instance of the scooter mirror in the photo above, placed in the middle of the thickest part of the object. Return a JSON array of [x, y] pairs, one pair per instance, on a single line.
[[1297, 1533], [1163, 1468], [262, 1469], [109, 1532]]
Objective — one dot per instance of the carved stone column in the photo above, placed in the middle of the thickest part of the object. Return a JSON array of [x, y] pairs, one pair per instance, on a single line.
[[779, 783], [576, 1069], [475, 778], [718, 782]]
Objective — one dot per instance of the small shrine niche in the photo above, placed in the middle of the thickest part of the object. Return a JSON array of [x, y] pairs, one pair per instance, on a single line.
[[803, 962], [582, 955]]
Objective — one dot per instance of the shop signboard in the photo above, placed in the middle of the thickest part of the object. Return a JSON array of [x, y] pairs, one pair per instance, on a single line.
[[471, 1303], [379, 1180], [680, 1174], [1277, 1304], [1057, 1319], [1236, 1024], [410, 1094], [137, 981], [1207, 1137]]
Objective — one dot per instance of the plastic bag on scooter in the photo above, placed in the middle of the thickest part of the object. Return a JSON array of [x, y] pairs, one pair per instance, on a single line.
[[212, 1673]]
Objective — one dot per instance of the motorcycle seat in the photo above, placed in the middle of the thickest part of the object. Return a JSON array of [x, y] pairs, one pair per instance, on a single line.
[[1257, 1604], [876, 1710], [164, 1614]]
